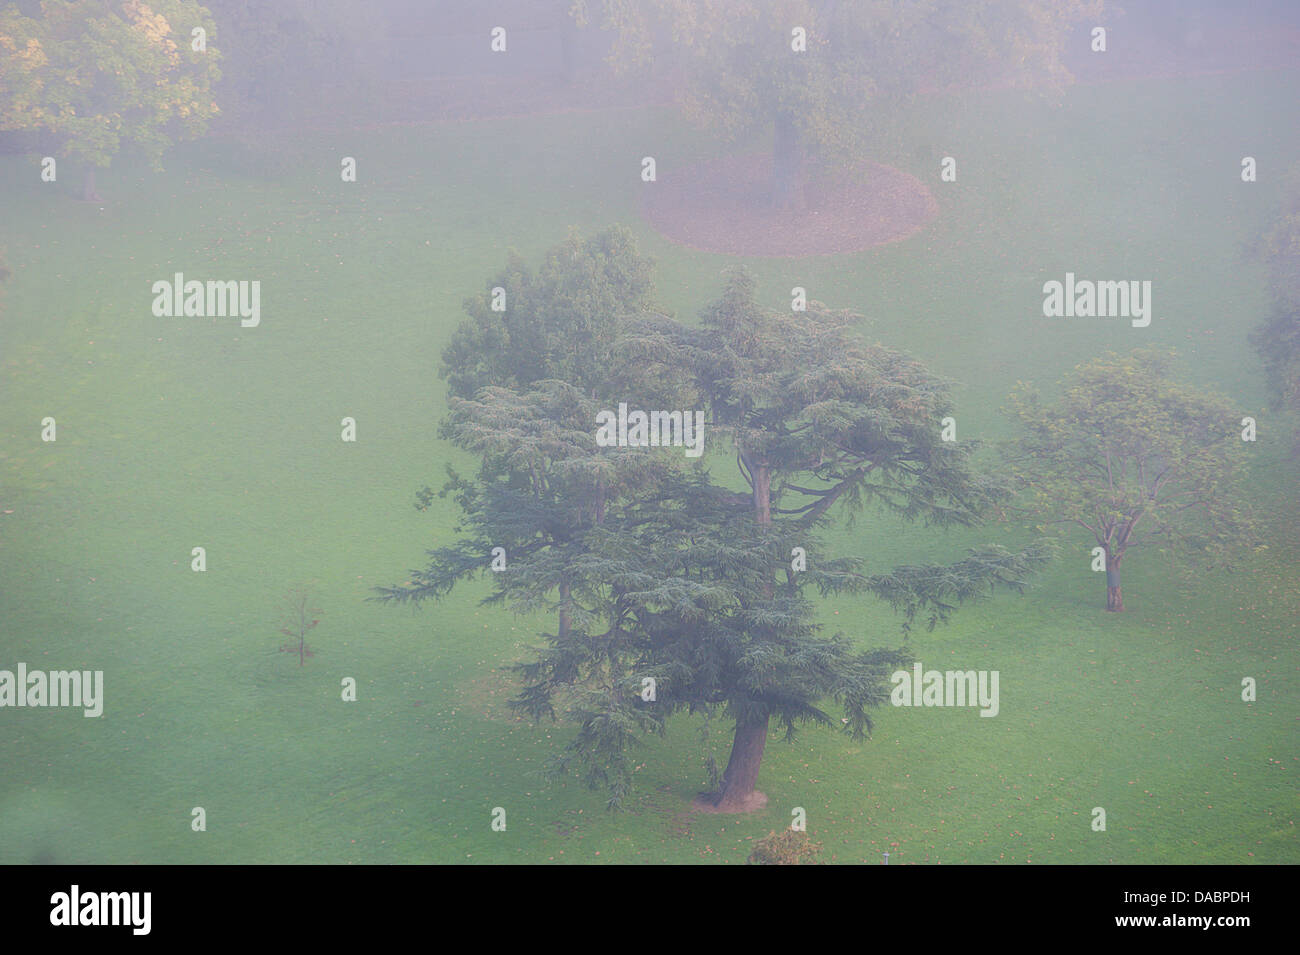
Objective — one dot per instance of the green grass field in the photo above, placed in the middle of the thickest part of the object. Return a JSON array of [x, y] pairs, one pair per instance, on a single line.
[[175, 433]]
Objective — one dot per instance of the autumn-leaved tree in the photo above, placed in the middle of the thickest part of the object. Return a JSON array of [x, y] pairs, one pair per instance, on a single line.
[[98, 75], [746, 72], [1136, 457]]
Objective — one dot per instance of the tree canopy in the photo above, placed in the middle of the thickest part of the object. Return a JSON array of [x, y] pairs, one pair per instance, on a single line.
[[99, 75], [743, 74], [1133, 456], [560, 321]]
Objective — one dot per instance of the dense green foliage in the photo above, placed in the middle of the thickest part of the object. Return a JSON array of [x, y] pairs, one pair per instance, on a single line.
[[98, 75], [654, 572], [559, 322]]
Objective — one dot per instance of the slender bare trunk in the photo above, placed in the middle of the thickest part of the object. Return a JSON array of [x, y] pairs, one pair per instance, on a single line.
[[1114, 590], [88, 191]]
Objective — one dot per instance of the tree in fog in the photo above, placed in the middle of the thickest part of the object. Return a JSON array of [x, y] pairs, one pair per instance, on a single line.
[[559, 321], [1136, 457], [102, 75], [545, 505], [817, 422], [672, 593], [745, 77]]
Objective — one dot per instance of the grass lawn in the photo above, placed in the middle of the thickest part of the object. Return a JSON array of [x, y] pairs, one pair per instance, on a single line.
[[182, 432]]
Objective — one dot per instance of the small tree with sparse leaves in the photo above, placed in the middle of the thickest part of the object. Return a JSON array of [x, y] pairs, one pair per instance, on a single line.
[[1135, 457], [300, 619]]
